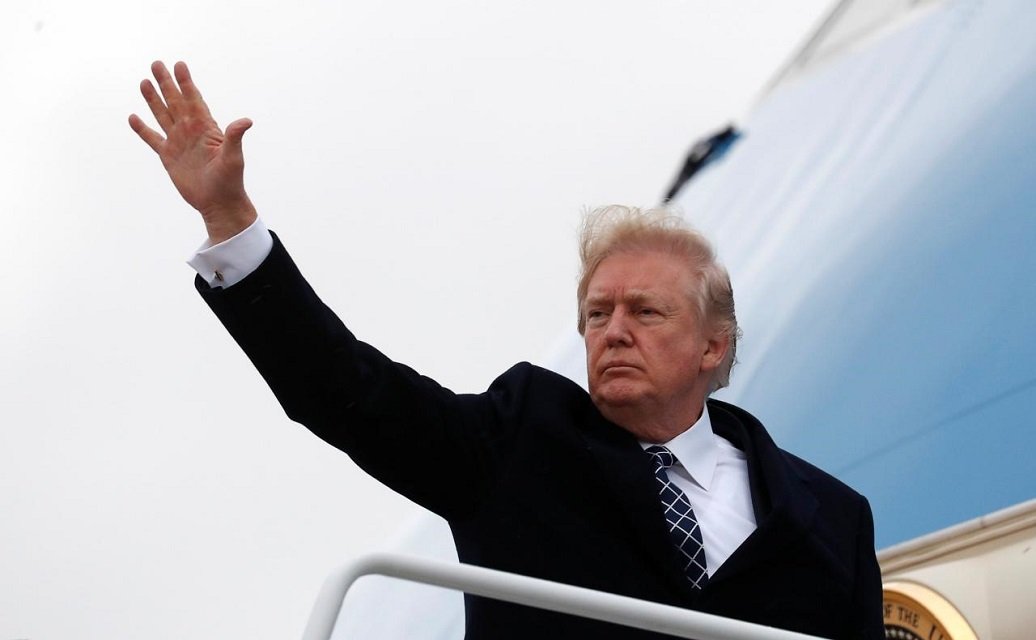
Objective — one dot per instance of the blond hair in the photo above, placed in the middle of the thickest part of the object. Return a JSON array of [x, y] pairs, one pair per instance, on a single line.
[[616, 228]]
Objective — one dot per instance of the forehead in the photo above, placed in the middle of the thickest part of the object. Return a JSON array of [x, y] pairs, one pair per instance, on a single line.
[[640, 273]]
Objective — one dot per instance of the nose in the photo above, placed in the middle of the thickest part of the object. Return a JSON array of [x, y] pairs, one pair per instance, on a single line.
[[617, 332]]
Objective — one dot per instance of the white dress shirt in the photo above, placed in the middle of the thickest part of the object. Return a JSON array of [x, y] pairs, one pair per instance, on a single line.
[[714, 475], [711, 471], [227, 263]]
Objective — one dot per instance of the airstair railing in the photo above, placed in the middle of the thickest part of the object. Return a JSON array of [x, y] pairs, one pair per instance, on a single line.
[[533, 592]]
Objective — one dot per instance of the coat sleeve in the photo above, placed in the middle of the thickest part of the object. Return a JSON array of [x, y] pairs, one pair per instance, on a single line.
[[435, 447]]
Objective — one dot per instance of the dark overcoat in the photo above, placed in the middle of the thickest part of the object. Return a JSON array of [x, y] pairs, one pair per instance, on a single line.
[[534, 480]]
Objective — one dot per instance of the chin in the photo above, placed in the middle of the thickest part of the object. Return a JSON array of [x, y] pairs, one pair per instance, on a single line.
[[615, 396], [617, 407]]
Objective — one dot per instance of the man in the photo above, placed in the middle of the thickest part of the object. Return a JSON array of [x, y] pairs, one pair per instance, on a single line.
[[640, 488]]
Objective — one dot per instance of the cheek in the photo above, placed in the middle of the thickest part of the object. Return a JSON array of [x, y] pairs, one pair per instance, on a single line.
[[591, 357], [677, 358], [593, 351]]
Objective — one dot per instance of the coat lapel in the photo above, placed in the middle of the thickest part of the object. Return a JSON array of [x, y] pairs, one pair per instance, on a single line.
[[784, 507], [628, 475]]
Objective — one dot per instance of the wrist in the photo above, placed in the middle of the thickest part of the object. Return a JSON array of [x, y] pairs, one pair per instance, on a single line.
[[225, 223]]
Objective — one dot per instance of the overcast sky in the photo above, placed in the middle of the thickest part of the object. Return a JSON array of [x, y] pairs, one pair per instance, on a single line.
[[425, 163]]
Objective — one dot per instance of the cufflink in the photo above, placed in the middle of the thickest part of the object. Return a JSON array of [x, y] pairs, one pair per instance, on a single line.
[[219, 276]]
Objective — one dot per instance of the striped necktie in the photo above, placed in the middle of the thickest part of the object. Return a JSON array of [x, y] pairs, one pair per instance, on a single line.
[[683, 526]]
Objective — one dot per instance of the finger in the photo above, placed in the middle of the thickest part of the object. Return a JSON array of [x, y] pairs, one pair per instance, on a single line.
[[170, 92], [235, 131], [192, 97], [187, 87], [146, 133], [154, 102]]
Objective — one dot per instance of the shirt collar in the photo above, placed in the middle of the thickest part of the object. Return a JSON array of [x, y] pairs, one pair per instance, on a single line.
[[696, 450]]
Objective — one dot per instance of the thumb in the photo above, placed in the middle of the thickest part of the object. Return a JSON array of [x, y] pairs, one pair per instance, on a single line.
[[235, 131]]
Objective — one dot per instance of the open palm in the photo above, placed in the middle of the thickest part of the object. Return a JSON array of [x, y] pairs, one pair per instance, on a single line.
[[205, 163]]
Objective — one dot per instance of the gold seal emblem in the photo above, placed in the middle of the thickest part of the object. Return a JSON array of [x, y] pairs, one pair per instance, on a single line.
[[915, 612]]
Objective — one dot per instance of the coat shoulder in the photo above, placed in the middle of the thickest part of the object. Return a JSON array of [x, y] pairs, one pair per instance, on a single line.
[[529, 382]]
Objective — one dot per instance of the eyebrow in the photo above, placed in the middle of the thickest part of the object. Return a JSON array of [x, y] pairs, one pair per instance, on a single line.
[[633, 296]]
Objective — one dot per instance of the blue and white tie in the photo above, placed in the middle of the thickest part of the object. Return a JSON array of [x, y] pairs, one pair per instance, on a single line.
[[683, 526]]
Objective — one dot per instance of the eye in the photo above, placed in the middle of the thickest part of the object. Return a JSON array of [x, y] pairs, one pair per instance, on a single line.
[[647, 311], [595, 316]]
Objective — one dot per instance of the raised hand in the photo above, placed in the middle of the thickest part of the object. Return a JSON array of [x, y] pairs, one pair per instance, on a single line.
[[205, 163]]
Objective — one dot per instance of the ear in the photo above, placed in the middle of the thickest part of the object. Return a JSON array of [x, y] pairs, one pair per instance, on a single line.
[[715, 351]]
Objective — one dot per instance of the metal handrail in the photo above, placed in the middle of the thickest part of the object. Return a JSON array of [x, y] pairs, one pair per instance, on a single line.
[[534, 592]]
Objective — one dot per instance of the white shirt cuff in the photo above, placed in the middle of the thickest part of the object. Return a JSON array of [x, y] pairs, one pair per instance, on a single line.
[[229, 262]]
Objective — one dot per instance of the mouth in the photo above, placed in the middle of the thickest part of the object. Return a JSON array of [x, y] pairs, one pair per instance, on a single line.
[[618, 367]]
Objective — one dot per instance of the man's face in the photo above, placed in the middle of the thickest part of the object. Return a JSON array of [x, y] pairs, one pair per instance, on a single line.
[[648, 358]]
